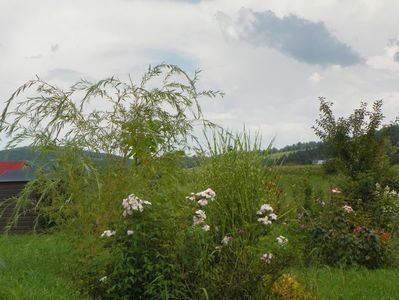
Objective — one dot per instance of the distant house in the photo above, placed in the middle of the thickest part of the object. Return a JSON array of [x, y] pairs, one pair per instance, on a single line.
[[13, 177]]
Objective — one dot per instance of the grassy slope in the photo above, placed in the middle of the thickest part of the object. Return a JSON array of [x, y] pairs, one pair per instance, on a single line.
[[31, 267]]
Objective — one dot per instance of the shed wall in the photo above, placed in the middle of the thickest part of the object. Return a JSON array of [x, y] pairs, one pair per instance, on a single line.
[[25, 222]]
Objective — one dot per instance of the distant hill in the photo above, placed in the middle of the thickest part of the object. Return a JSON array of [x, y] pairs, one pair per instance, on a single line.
[[296, 154], [22, 153], [306, 153], [32, 156]]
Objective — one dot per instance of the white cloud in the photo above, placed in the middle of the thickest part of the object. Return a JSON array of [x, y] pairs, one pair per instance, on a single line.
[[315, 77], [266, 87], [389, 59]]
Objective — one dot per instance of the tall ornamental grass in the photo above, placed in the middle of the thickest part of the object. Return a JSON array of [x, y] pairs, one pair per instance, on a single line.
[[98, 139]]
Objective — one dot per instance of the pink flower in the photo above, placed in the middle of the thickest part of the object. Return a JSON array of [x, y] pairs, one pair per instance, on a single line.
[[335, 190], [385, 235]]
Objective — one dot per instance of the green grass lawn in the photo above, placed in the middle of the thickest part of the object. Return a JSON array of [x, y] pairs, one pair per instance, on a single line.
[[32, 267], [331, 283]]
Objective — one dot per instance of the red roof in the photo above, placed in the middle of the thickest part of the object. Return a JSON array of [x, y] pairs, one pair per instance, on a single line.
[[11, 166]]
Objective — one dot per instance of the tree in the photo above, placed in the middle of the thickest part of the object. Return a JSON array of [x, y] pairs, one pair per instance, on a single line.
[[353, 142]]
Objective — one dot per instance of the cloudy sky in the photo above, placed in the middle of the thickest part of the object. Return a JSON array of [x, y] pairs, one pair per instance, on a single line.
[[272, 58]]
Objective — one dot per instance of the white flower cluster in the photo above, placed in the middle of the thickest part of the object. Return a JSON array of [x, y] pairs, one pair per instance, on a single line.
[[108, 233], [226, 240], [348, 209], [387, 192], [267, 258], [266, 215], [129, 232], [133, 203], [202, 198], [199, 220], [281, 240]]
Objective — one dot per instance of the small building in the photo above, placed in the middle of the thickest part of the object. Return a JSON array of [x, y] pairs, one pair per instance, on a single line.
[[318, 161], [13, 177]]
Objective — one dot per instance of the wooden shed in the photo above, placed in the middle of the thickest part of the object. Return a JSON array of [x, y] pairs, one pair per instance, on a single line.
[[13, 177]]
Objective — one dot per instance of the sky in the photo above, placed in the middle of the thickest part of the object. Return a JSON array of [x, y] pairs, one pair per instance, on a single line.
[[271, 58]]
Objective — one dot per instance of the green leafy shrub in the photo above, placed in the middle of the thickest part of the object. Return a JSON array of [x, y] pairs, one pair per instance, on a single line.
[[340, 235], [353, 226]]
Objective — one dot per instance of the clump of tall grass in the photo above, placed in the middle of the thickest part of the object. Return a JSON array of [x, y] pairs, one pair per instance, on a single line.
[[103, 138]]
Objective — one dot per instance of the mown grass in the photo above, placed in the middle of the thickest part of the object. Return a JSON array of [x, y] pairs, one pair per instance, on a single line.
[[33, 267], [332, 283]]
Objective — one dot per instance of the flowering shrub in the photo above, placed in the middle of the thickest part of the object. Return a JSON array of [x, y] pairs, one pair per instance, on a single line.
[[352, 228], [138, 269], [211, 245], [142, 262], [340, 234]]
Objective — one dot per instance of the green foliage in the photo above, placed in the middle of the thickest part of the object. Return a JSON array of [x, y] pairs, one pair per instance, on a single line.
[[102, 138], [99, 156], [137, 120], [339, 236], [234, 169], [140, 136], [169, 256], [353, 142]]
